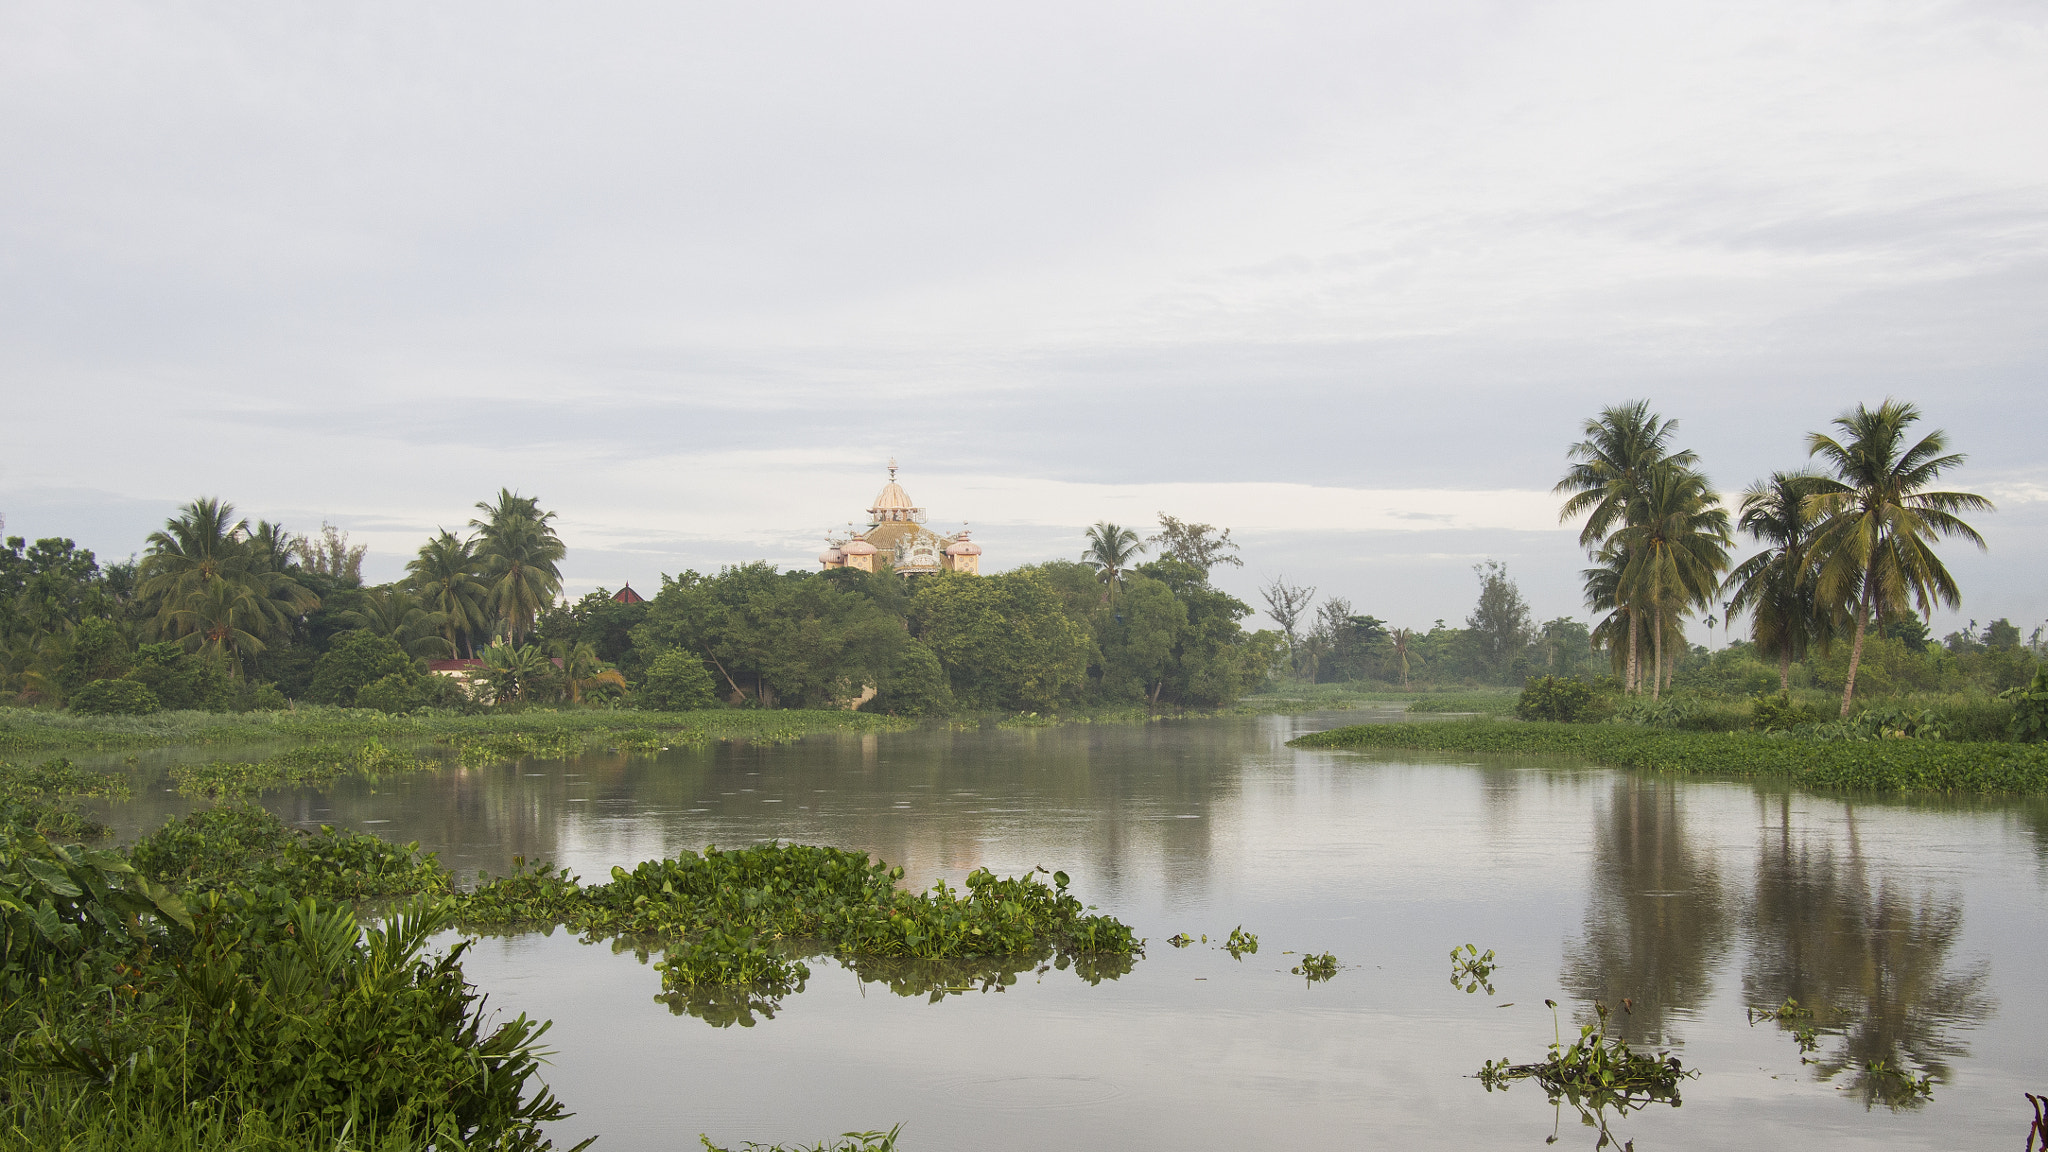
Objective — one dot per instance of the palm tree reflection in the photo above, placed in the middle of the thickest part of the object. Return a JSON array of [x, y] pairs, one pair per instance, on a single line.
[[1657, 916], [1868, 955]]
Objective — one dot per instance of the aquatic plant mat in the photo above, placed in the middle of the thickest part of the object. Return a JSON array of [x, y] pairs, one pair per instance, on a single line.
[[1899, 766], [23, 729], [735, 926]]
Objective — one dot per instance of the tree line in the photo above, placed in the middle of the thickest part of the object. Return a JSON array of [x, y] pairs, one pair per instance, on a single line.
[[222, 613]]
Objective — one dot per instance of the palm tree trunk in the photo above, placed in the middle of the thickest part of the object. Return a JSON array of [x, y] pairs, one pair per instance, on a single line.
[[1633, 686], [1785, 668], [1657, 652], [1856, 648]]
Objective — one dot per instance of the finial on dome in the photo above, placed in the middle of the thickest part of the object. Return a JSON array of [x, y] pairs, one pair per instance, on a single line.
[[892, 467]]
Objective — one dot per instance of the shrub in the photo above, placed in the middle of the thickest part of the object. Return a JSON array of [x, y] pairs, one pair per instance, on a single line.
[[355, 661], [183, 681], [389, 694], [676, 682], [2029, 709], [114, 698], [1555, 698], [915, 686], [1775, 712]]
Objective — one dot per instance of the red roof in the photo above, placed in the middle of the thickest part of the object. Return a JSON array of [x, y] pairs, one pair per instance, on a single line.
[[626, 595]]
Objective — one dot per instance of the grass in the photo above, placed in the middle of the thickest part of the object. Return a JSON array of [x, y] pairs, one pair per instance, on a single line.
[[1894, 766], [25, 729]]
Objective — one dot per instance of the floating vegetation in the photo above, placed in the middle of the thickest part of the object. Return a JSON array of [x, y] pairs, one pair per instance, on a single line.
[[846, 1142], [2039, 1129], [57, 778], [1895, 1085], [1790, 1016], [298, 768], [728, 916], [1472, 970], [1317, 967], [1240, 942], [23, 729], [38, 800], [477, 751], [1181, 939], [1595, 1073], [242, 845], [1885, 765]]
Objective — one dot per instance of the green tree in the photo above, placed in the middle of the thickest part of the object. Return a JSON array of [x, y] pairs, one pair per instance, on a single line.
[[676, 682], [915, 685], [1878, 521], [398, 614], [1677, 548], [203, 576], [1776, 586], [99, 650], [354, 661], [1112, 549], [1201, 545], [114, 698], [1500, 622], [1607, 480], [1138, 639], [446, 575], [521, 558], [182, 680], [1003, 640]]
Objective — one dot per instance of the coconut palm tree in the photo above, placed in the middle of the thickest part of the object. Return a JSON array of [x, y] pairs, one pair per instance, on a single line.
[[1776, 586], [206, 544], [1877, 522], [1608, 478], [445, 573], [1676, 546], [583, 671], [223, 619], [1112, 550], [398, 614], [202, 542], [1624, 447], [521, 557]]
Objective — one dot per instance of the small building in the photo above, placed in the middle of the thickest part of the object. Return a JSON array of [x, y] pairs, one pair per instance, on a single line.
[[896, 539]]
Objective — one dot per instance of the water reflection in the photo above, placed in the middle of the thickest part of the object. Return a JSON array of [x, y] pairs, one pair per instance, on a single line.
[[1657, 915], [1868, 953]]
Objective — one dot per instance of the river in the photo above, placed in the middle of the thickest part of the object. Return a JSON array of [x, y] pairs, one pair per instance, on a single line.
[[1916, 931]]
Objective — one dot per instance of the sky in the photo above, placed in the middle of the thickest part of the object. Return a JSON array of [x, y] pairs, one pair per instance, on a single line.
[[1346, 278]]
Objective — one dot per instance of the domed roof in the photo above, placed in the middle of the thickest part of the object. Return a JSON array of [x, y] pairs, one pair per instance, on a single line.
[[892, 496], [832, 556], [858, 547], [962, 546]]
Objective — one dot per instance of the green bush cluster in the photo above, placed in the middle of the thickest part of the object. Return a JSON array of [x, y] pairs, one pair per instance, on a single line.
[[736, 901], [1904, 766], [114, 698], [247, 1003], [2029, 709], [242, 844], [1566, 701]]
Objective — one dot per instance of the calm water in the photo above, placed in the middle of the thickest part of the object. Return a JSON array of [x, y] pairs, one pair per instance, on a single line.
[[1917, 929]]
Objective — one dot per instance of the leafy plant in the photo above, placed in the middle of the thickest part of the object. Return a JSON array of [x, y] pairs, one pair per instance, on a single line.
[[1241, 942], [114, 698], [1556, 698], [1777, 713], [846, 1142], [2029, 709], [1594, 1073], [1316, 967], [1472, 970], [299, 767]]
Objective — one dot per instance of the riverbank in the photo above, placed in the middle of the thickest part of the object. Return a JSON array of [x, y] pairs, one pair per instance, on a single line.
[[31, 730], [1899, 766]]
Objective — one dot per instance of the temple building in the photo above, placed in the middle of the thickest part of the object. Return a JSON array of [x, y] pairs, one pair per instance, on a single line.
[[897, 539]]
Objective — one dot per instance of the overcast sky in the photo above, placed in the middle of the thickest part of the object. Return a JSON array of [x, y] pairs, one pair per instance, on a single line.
[[1344, 277]]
